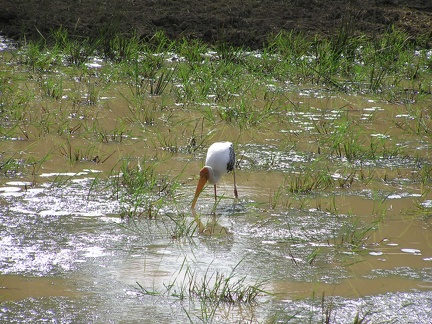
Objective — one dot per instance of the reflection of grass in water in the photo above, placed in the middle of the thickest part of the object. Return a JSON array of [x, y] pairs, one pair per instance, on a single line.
[[353, 236], [345, 138], [181, 226], [75, 154], [316, 178], [214, 290], [328, 311], [217, 287], [334, 238], [323, 309], [417, 121]]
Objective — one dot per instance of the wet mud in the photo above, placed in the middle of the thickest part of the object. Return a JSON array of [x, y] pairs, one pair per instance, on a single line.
[[240, 23]]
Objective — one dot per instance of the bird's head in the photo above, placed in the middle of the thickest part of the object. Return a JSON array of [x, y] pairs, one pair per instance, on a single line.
[[204, 176]]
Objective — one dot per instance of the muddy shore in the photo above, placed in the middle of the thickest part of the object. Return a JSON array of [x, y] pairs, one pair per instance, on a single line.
[[241, 23]]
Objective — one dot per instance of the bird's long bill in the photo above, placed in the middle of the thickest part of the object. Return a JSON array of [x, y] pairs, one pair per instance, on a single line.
[[201, 183]]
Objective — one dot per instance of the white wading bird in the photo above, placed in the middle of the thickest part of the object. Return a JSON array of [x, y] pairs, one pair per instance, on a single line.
[[220, 160]]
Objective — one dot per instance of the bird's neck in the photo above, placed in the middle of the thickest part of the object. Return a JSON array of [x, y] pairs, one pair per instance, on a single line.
[[213, 175]]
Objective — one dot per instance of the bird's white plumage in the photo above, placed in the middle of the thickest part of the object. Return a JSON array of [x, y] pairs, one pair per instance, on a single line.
[[220, 159], [219, 156]]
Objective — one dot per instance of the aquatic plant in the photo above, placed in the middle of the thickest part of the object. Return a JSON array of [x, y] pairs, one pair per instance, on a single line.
[[140, 189], [192, 50], [161, 82], [415, 122], [181, 226], [353, 235], [213, 287], [9, 166], [141, 111], [77, 51], [51, 87], [329, 311], [309, 180], [118, 48], [76, 153]]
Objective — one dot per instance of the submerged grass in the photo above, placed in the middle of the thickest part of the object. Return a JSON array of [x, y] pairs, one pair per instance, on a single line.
[[345, 61], [140, 189], [220, 85], [212, 287], [215, 291]]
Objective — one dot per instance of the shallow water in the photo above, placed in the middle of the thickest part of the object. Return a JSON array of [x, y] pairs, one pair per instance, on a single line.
[[67, 254], [64, 252]]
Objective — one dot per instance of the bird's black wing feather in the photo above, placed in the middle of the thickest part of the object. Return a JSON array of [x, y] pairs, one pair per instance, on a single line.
[[231, 162]]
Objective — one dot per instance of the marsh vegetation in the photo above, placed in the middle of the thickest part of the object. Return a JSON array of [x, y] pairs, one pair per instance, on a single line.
[[101, 143]]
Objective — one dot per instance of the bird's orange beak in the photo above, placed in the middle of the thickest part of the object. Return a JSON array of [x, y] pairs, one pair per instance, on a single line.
[[204, 175]]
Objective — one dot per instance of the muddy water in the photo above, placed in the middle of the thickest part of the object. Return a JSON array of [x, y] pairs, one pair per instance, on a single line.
[[67, 255]]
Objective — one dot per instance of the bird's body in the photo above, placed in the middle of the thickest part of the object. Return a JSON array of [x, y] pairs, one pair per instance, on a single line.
[[220, 160]]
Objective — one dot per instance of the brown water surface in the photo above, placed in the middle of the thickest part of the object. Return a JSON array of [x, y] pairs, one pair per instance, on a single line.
[[76, 240]]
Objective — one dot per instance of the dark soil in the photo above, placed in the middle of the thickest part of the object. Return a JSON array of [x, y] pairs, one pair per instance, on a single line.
[[245, 23]]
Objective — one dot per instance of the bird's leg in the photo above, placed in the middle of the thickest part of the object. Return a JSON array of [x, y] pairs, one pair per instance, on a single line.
[[235, 186], [215, 192]]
